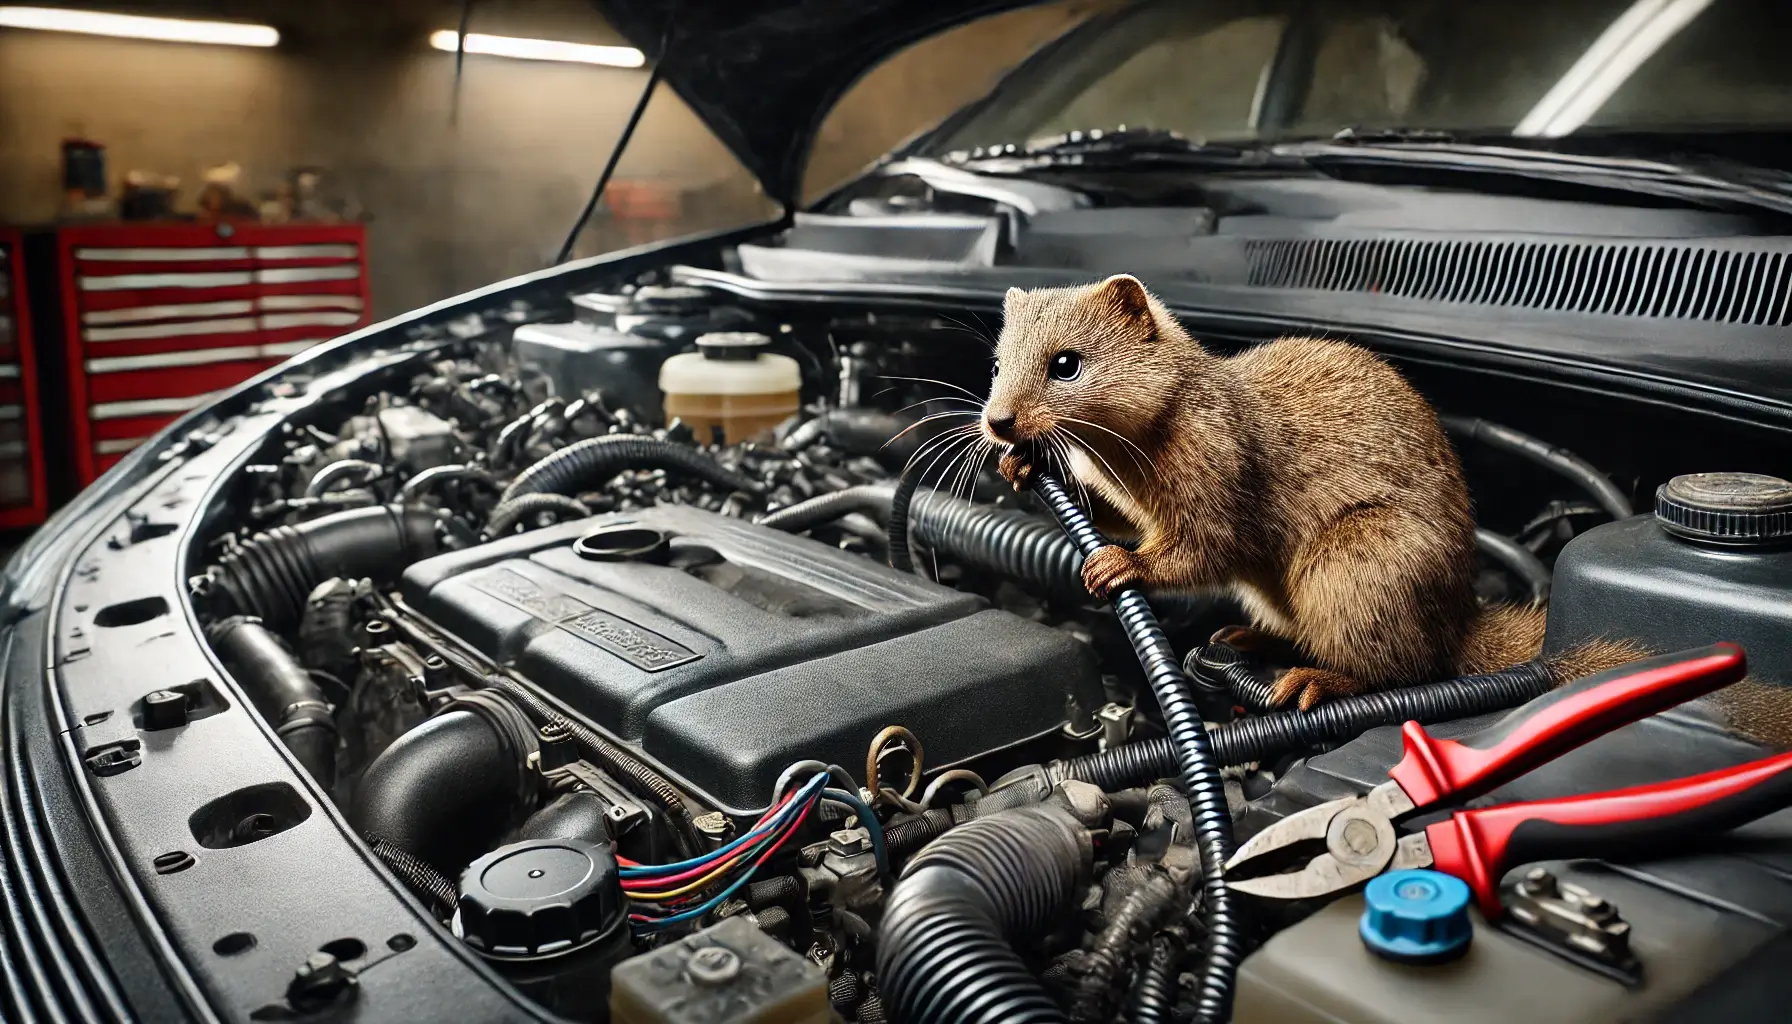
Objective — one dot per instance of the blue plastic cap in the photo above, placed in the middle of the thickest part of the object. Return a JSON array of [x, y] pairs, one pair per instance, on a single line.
[[1416, 917]]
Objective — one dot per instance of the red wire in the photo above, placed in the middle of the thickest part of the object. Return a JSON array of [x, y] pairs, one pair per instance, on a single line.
[[746, 850], [788, 831]]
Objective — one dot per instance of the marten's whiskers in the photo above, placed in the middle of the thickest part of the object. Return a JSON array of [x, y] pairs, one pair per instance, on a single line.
[[1132, 447], [932, 380], [1084, 445], [934, 416]]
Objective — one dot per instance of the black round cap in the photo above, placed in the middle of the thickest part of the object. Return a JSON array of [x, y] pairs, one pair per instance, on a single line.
[[540, 897], [743, 346], [1737, 509]]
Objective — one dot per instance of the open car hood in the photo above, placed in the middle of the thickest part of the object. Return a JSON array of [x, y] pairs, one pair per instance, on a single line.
[[763, 73]]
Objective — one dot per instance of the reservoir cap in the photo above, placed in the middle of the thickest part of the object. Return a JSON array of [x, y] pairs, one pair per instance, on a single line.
[[1416, 917], [540, 897], [1734, 509]]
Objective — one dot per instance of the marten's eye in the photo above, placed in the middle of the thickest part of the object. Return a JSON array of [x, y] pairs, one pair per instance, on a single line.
[[1066, 365], [995, 370]]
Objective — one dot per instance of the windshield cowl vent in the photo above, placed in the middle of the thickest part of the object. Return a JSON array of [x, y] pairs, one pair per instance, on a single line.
[[1721, 283]]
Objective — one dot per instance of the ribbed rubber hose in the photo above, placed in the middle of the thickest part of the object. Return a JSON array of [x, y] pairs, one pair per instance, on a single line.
[[1194, 752], [1219, 664], [590, 463], [871, 499], [614, 759], [272, 574], [945, 947], [1282, 732], [1154, 993], [506, 514], [1557, 459], [1008, 543], [428, 884], [1517, 558]]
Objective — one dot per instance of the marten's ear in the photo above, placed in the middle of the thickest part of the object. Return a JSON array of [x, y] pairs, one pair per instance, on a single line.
[[1125, 297], [1013, 296]]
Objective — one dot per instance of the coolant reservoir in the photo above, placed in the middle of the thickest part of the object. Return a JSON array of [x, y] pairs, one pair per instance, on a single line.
[[731, 382]]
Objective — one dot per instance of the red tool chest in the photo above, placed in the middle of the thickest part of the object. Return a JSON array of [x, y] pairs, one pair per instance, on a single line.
[[22, 493], [157, 317]]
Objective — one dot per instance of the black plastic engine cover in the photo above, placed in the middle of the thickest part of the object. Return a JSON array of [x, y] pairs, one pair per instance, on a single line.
[[742, 649]]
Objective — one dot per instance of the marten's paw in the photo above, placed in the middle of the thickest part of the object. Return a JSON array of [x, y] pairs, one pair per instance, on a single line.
[[1016, 468], [1312, 685], [1109, 569]]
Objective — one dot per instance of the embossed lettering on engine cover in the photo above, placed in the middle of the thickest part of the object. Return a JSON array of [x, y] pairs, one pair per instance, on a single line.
[[637, 645]]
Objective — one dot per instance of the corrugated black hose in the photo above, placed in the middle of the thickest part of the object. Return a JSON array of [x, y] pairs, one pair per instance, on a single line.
[[945, 948], [1221, 664], [1154, 993], [590, 463], [1266, 736], [1194, 753]]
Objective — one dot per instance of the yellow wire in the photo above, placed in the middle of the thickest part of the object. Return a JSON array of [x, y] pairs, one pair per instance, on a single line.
[[699, 883]]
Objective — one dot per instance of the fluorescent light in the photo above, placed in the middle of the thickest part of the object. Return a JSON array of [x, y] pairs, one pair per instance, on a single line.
[[130, 26], [540, 49], [1600, 72]]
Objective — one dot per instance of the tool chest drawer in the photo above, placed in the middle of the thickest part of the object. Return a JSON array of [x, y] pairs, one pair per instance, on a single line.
[[158, 317], [22, 494]]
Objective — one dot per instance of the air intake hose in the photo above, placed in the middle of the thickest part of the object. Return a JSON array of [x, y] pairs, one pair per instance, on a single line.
[[592, 462], [945, 948], [1195, 760], [283, 692], [272, 574], [446, 791], [1280, 732]]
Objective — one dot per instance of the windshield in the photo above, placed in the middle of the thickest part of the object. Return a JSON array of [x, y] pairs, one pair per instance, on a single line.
[[1263, 70]]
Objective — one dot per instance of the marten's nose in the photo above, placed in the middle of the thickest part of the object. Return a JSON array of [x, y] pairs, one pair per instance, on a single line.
[[1000, 425]]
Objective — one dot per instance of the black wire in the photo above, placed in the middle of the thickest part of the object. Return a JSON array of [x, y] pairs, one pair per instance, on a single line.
[[628, 131]]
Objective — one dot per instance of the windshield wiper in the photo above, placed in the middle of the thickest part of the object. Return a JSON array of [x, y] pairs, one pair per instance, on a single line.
[[1430, 155], [1103, 149]]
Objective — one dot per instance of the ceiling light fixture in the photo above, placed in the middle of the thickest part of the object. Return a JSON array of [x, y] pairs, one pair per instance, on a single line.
[[540, 49], [1635, 36], [131, 26]]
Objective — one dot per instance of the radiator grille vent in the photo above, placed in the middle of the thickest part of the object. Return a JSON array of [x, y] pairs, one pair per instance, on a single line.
[[1674, 281]]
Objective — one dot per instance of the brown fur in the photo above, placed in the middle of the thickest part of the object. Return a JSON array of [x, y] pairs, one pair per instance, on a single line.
[[1304, 475]]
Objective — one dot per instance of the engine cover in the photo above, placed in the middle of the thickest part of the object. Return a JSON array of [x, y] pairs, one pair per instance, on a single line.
[[731, 650]]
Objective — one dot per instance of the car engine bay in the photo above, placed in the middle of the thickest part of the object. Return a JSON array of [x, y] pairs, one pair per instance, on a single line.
[[681, 711]]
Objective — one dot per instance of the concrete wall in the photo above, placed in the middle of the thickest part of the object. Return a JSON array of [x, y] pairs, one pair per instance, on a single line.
[[461, 190]]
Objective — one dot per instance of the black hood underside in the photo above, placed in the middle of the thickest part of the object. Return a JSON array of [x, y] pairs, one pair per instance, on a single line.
[[763, 73]]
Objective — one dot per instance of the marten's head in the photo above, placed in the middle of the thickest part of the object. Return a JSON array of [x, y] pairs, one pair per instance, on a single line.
[[1082, 361]]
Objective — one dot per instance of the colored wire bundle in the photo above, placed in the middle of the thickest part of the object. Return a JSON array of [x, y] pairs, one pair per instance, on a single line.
[[663, 895]]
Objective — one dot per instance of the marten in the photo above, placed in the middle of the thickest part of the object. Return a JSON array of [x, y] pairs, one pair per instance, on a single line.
[[1305, 476]]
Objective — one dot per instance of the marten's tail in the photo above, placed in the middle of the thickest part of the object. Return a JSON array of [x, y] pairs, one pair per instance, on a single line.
[[1507, 635], [1510, 634]]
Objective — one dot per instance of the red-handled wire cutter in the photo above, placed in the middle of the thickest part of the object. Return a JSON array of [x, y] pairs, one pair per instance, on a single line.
[[1478, 845]]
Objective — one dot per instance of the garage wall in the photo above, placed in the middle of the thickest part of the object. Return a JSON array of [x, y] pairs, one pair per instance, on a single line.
[[460, 193]]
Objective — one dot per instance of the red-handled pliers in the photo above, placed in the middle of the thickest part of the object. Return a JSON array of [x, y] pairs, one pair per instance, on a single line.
[[1478, 845]]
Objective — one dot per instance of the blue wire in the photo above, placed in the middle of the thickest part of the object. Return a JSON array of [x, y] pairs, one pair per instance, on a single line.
[[650, 870], [716, 900], [870, 821]]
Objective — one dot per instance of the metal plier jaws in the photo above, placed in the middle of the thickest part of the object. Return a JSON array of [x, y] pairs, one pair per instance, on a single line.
[[1360, 836]]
